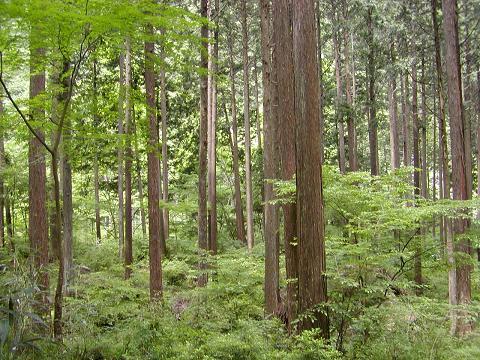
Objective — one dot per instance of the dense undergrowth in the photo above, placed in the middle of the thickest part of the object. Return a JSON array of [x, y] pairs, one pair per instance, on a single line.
[[374, 310]]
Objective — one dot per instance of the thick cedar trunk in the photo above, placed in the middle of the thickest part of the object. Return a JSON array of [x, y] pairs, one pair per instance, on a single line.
[[312, 282], [120, 155], [283, 68], [458, 148], [96, 180], [246, 117], [372, 113], [37, 194], [393, 114], [339, 98], [203, 147], [128, 250], [212, 140], [155, 230], [239, 219]]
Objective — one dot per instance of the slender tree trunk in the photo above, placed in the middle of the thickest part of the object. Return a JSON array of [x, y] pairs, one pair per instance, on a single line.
[[120, 155], [339, 98], [164, 114], [246, 116], [96, 179], [2, 169], [458, 148], [312, 282], [478, 140], [393, 114], [239, 219], [203, 146], [257, 103], [138, 169], [212, 140], [372, 116], [37, 199], [128, 250], [155, 230]]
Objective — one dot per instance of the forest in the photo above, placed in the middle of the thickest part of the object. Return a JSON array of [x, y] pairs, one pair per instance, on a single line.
[[239, 179]]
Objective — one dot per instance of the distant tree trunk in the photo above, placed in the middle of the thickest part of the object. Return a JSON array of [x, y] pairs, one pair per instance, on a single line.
[[352, 131], [155, 230], [246, 116], [164, 114], [458, 148], [257, 104], [312, 282], [405, 120], [2, 169], [416, 174], [393, 113], [96, 179], [128, 162], [283, 69], [120, 155], [212, 140], [478, 140], [339, 97], [423, 155], [8, 219], [203, 145], [318, 13], [37, 194], [372, 113], [239, 219]]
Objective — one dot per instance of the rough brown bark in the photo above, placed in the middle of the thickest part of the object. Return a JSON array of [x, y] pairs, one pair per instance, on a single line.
[[246, 118], [37, 195], [458, 151], [128, 249], [284, 124], [239, 219], [155, 230], [312, 283]]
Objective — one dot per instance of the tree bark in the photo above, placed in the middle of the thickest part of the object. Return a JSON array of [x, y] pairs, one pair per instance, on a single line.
[[37, 195], [2, 176], [120, 156], [312, 283], [372, 113], [246, 117], [458, 149], [164, 115], [96, 179], [155, 230], [239, 219], [128, 250], [393, 113]]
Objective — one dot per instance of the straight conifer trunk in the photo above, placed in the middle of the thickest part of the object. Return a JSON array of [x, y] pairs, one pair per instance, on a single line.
[[120, 155], [312, 282]]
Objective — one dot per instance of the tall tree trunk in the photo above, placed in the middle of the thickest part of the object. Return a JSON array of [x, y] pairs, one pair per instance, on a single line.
[[405, 122], [96, 179], [67, 187], [339, 97], [318, 13], [138, 170], [155, 229], [37, 194], [416, 165], [246, 116], [164, 115], [312, 282], [203, 145], [239, 219], [283, 69], [257, 104], [372, 113], [393, 113], [478, 140], [352, 131], [212, 139], [2, 170], [458, 148], [128, 162], [120, 155]]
